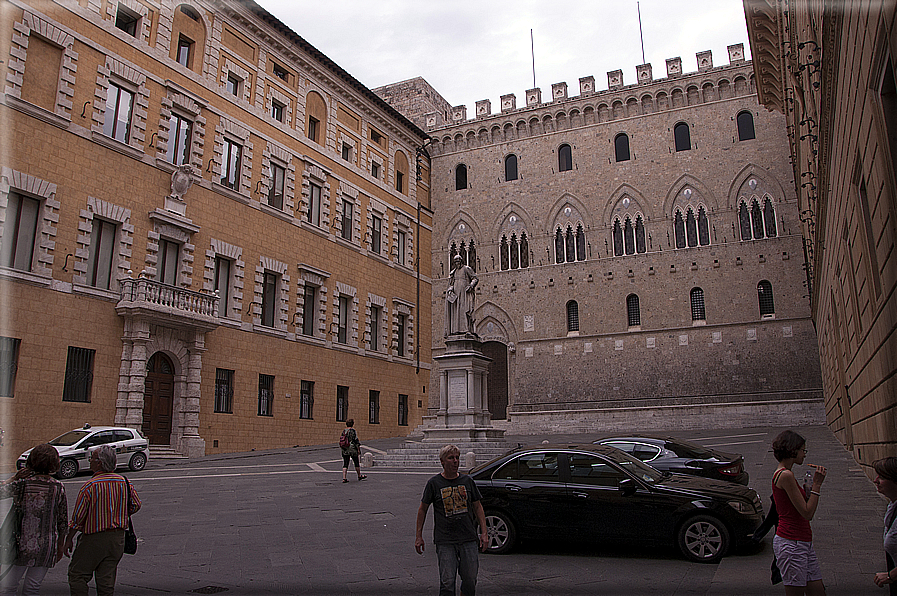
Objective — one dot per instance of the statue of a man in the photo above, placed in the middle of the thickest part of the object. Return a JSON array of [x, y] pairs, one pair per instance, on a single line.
[[459, 298]]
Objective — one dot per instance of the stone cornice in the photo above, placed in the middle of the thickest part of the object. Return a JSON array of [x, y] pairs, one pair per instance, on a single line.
[[765, 35]]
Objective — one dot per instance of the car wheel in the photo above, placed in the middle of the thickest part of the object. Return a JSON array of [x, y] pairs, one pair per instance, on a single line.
[[68, 468], [502, 535], [704, 539], [138, 462]]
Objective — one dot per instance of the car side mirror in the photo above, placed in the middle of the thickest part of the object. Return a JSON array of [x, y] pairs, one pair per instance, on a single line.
[[628, 487]]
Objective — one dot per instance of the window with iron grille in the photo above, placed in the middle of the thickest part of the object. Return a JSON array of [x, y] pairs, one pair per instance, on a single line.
[[403, 410], [572, 316], [633, 313], [374, 407], [697, 305], [342, 403], [224, 391], [306, 399], [78, 374], [9, 364], [266, 395], [764, 297]]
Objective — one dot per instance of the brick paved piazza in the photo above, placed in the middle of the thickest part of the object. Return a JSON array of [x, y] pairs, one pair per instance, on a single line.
[[282, 522]]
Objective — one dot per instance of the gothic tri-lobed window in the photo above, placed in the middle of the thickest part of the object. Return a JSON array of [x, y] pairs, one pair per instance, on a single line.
[[629, 239], [514, 252], [756, 222], [569, 245], [468, 253], [691, 229]]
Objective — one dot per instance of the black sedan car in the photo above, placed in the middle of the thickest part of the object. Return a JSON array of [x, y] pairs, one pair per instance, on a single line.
[[601, 494], [669, 454]]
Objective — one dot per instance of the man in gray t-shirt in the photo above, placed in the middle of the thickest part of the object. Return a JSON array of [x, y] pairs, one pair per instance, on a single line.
[[456, 512]]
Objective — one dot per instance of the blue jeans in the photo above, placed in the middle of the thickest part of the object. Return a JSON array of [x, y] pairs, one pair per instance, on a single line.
[[457, 559]]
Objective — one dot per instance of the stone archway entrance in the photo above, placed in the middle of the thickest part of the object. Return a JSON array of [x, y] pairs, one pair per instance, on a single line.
[[158, 399], [497, 382]]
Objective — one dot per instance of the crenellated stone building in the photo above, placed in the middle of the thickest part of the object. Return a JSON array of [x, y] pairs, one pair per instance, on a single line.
[[638, 250], [210, 231]]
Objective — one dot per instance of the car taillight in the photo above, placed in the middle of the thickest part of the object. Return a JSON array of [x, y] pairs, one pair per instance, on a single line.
[[731, 469]]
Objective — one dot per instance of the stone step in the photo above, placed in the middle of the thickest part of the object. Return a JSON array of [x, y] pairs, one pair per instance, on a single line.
[[157, 452], [416, 454]]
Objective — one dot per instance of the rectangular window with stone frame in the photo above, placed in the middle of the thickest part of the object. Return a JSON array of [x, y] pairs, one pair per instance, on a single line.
[[119, 105], [374, 407], [342, 403], [376, 233], [179, 139], [102, 250], [400, 335], [403, 410], [376, 313], [269, 299], [231, 164], [169, 261], [314, 204], [222, 284], [342, 329], [275, 193], [234, 85], [127, 20], [308, 310], [347, 220], [19, 232]]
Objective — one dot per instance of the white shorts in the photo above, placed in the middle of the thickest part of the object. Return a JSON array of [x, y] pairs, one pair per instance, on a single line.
[[796, 561]]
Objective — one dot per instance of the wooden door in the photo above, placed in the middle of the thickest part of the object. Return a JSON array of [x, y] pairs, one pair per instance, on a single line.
[[158, 399]]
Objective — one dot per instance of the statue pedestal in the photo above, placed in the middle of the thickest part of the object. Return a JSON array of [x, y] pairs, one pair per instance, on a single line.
[[463, 415]]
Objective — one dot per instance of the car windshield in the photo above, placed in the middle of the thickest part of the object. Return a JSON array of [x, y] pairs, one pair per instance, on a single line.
[[640, 470], [688, 450], [69, 438]]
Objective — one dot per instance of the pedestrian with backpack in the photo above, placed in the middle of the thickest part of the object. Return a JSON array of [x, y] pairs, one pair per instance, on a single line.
[[350, 446]]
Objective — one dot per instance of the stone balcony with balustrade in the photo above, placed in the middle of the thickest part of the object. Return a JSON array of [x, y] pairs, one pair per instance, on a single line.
[[166, 304]]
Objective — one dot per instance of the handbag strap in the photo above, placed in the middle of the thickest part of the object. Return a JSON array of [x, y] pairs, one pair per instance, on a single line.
[[129, 498]]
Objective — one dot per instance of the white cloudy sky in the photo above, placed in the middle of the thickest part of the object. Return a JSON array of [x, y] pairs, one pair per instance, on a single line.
[[481, 50]]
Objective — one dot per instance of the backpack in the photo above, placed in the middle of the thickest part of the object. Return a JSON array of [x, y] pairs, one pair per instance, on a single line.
[[344, 440]]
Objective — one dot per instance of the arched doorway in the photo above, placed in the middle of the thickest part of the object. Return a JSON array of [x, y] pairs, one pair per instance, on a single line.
[[497, 383], [158, 399]]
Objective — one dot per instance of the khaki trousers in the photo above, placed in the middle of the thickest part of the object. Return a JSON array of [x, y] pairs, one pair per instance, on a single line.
[[96, 555]]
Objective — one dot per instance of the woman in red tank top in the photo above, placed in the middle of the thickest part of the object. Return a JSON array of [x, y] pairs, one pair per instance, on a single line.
[[793, 544]]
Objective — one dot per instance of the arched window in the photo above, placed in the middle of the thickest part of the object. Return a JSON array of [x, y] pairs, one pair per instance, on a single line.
[[691, 228], [510, 167], [682, 136], [524, 251], [572, 316], [515, 252], [628, 237], [504, 258], [559, 246], [452, 252], [316, 118], [679, 229], [580, 244], [463, 253], [764, 298], [565, 158], [703, 227], [745, 122], [460, 177], [472, 256], [640, 246], [618, 239], [570, 245], [697, 305], [621, 147], [633, 312], [756, 223]]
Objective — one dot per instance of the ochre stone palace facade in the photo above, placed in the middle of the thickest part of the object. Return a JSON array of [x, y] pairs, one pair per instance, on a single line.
[[638, 251], [210, 231], [215, 234]]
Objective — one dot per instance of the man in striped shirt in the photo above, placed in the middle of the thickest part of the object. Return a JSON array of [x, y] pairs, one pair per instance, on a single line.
[[101, 515]]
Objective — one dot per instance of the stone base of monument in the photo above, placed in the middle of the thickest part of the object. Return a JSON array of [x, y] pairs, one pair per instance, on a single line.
[[463, 417]]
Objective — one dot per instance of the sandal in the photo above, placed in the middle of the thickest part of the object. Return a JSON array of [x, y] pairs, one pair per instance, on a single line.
[[363, 477], [344, 480]]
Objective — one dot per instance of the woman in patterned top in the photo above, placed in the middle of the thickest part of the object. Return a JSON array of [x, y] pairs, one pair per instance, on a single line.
[[41, 499]]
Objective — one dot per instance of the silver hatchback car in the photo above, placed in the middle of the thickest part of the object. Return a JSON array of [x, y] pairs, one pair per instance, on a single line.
[[131, 447]]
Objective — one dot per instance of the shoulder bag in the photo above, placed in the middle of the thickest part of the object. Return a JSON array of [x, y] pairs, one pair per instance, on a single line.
[[130, 536]]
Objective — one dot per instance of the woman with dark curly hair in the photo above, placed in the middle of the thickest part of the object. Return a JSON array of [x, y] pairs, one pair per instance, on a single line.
[[793, 542], [41, 500], [886, 484]]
